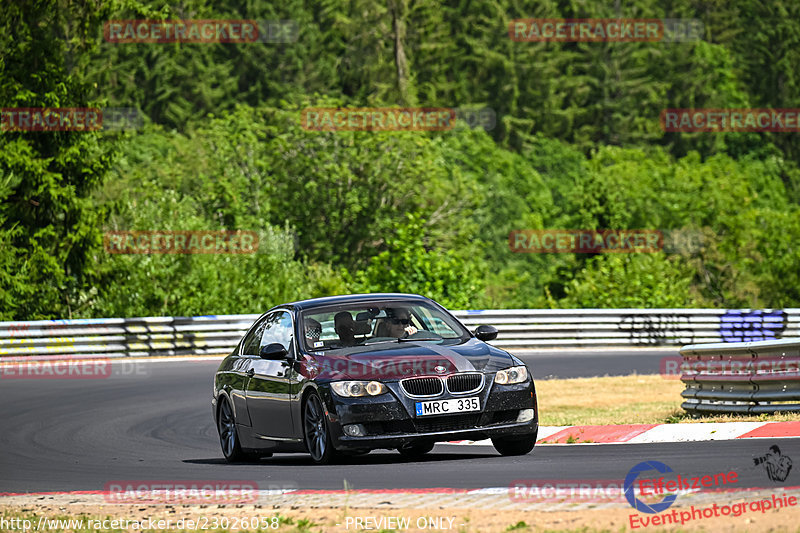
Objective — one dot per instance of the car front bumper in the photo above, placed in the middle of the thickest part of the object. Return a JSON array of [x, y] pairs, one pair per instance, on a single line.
[[390, 422]]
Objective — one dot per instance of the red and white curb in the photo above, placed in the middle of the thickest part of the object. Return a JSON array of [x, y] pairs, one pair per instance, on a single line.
[[653, 433]]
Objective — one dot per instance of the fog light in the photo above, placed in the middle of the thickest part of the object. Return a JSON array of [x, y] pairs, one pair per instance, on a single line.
[[356, 430], [525, 415]]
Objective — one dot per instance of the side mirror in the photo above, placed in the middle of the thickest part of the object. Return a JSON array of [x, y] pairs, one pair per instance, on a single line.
[[274, 351], [486, 332]]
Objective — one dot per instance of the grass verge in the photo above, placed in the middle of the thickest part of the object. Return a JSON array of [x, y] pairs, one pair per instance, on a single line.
[[332, 520], [634, 399]]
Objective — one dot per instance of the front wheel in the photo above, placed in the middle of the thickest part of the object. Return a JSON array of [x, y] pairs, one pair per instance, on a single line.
[[228, 438], [514, 445], [315, 431]]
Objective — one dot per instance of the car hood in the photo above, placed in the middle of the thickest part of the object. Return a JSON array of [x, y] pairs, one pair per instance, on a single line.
[[387, 361]]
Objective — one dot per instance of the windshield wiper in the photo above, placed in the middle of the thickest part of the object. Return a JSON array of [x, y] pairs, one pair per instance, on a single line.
[[411, 339], [368, 343]]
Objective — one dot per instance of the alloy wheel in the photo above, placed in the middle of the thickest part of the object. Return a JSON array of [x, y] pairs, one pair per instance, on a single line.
[[315, 428]]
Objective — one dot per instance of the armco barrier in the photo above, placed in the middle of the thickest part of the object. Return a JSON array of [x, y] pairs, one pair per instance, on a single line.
[[122, 337], [747, 377], [539, 328], [520, 329]]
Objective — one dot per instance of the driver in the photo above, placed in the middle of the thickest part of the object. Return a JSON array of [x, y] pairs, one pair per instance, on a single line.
[[399, 323]]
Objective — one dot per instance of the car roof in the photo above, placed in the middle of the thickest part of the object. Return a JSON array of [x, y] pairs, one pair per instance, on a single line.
[[351, 298]]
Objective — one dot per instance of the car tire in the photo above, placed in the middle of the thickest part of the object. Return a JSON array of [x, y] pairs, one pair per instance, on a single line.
[[514, 445], [415, 450], [316, 434], [228, 437]]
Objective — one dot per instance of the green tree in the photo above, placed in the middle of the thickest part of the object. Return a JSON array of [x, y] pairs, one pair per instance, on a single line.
[[49, 229], [631, 280], [413, 264]]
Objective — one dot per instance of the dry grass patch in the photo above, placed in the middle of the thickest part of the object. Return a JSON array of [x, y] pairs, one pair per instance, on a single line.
[[333, 520], [634, 399]]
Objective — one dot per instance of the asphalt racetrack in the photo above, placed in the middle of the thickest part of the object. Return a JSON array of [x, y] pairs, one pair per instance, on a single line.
[[585, 363], [152, 421]]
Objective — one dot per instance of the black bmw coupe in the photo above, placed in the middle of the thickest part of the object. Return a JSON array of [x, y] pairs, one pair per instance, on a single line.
[[349, 374]]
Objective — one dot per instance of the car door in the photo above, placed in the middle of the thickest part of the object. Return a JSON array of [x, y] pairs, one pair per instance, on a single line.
[[268, 394], [240, 369]]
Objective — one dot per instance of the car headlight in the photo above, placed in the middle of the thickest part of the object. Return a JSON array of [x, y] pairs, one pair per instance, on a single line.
[[510, 376], [350, 389]]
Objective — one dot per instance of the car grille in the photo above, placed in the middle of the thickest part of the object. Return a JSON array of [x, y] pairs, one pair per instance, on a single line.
[[422, 386], [465, 382], [446, 423]]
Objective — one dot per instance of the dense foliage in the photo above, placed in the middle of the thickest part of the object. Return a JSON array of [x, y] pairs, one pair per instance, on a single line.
[[577, 144]]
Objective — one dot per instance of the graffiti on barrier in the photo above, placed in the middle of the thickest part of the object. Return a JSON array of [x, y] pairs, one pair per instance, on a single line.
[[16, 330], [658, 329], [745, 326]]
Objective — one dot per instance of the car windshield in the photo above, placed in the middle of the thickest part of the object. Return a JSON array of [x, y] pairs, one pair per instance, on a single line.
[[366, 323]]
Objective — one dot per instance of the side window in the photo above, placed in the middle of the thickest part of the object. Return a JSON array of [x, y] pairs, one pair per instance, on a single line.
[[278, 329], [251, 345]]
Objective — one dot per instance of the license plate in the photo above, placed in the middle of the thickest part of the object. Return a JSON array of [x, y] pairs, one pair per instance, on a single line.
[[446, 407]]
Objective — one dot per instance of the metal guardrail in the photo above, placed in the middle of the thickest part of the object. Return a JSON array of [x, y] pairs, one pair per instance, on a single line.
[[538, 328], [519, 329], [749, 377], [123, 337]]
